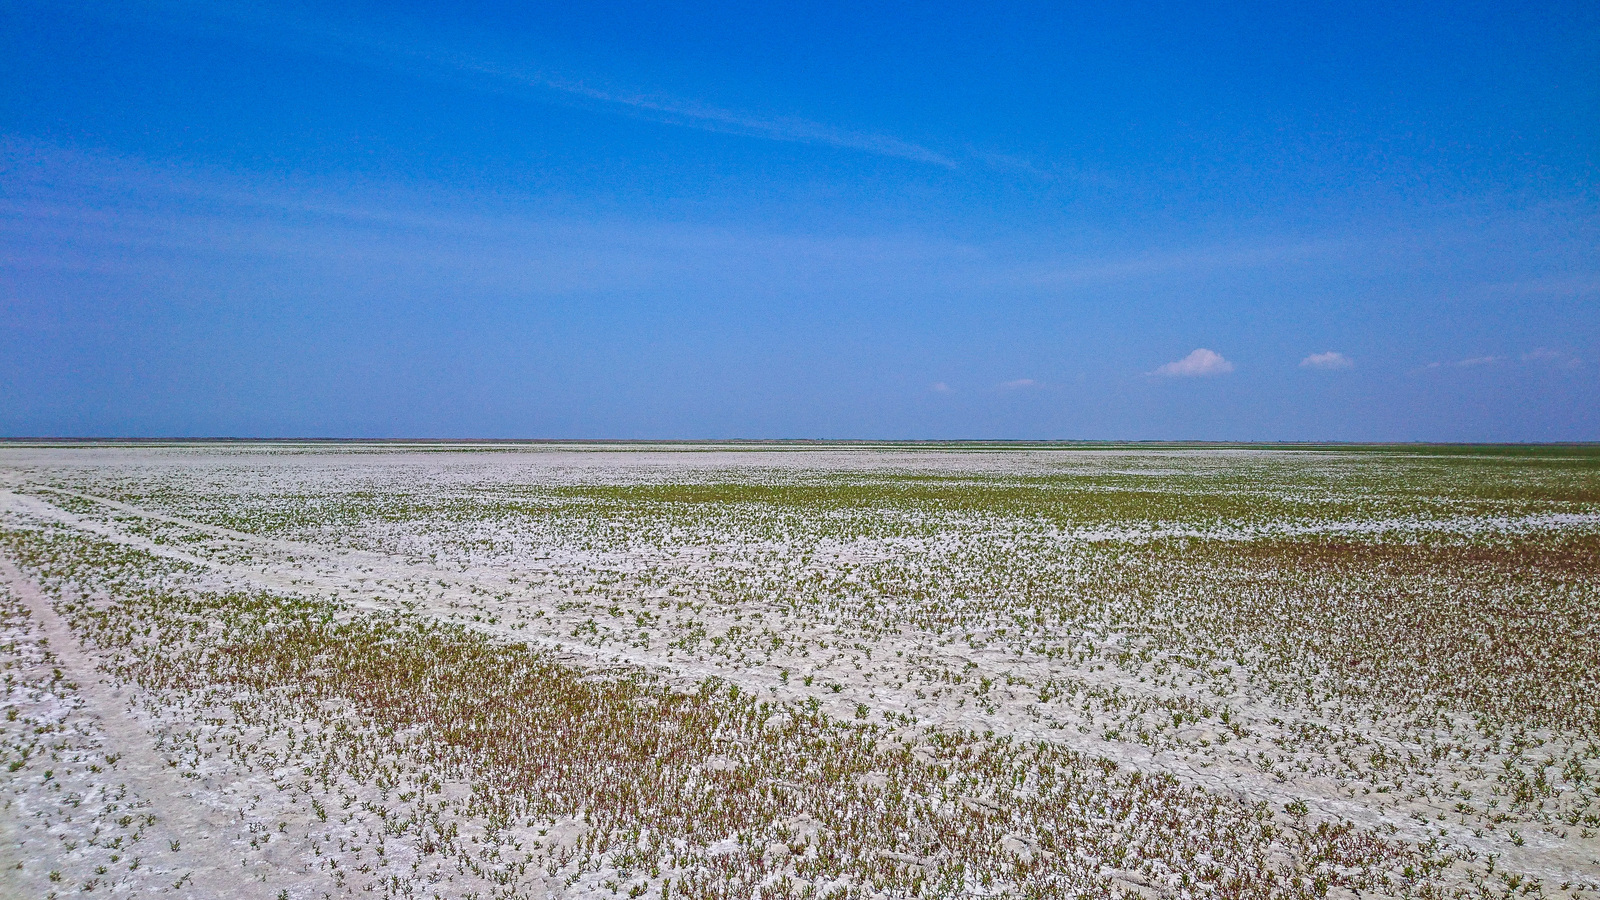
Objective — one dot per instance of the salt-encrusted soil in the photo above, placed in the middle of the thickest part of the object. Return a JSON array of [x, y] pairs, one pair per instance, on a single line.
[[1396, 651]]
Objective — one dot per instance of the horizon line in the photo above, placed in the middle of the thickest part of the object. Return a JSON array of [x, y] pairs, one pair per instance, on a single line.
[[798, 442]]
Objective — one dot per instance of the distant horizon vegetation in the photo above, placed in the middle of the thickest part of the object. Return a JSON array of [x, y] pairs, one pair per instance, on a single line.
[[809, 443]]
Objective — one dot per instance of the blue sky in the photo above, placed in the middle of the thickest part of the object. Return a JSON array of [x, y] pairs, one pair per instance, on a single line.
[[1339, 221]]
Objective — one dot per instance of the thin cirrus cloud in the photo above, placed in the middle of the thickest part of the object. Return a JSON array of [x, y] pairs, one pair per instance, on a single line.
[[1541, 356], [1018, 384], [1327, 361], [1199, 364], [1557, 358], [425, 58], [692, 114], [71, 207], [1471, 362]]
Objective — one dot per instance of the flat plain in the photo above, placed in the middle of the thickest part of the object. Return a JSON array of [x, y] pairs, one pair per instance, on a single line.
[[760, 671]]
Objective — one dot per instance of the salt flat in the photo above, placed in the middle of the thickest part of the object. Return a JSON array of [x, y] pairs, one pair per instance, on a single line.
[[889, 670]]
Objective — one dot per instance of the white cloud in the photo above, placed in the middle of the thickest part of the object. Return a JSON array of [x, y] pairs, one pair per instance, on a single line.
[[1541, 356], [1471, 362], [939, 387], [1548, 357], [1019, 384], [1200, 362], [1330, 360]]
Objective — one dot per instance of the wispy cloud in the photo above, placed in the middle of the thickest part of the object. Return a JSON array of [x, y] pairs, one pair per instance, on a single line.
[[1548, 357], [422, 56], [1565, 286], [1471, 362], [939, 387], [1539, 356], [65, 206], [706, 117], [1327, 361], [1200, 363], [68, 209], [1185, 261], [1018, 384]]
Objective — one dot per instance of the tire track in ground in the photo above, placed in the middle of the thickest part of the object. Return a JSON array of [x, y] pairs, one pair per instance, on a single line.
[[189, 836]]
